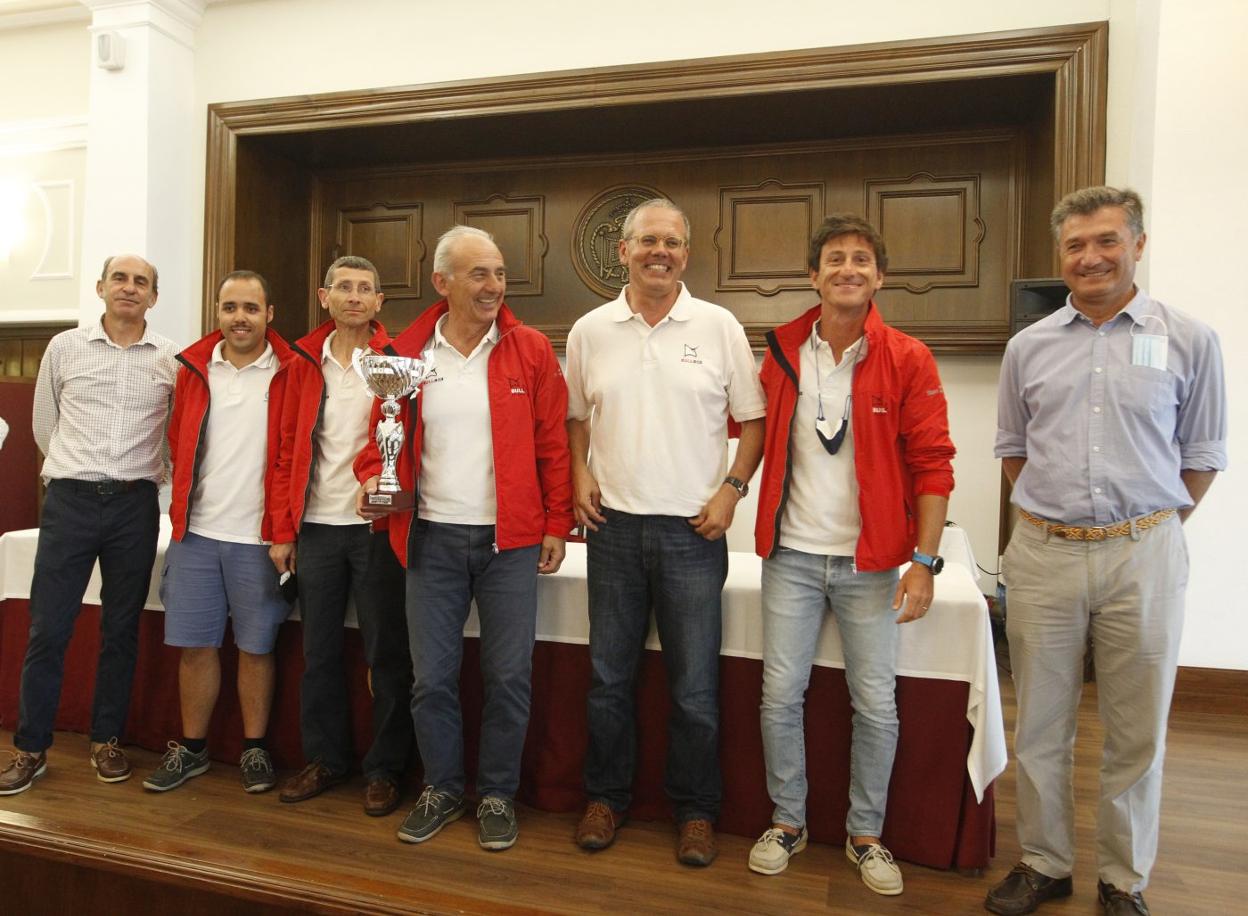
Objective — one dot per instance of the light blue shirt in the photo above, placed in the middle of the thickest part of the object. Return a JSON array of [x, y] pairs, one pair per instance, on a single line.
[[1105, 439]]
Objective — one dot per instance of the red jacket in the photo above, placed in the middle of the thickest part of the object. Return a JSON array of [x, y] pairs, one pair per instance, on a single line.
[[528, 409], [901, 440], [189, 421], [302, 411]]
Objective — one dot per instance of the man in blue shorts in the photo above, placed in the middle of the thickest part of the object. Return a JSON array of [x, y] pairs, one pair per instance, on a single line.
[[218, 561]]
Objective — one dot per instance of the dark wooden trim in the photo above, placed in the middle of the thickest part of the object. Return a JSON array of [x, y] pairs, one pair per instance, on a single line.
[[1218, 691], [25, 329], [220, 189], [1077, 56], [48, 849]]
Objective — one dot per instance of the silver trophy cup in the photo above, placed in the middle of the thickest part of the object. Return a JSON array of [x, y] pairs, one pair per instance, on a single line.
[[390, 378]]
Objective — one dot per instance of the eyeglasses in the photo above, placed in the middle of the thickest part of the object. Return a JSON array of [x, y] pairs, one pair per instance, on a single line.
[[671, 243], [832, 439]]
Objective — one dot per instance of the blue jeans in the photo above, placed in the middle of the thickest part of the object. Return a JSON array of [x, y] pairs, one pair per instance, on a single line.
[[448, 567], [635, 562], [77, 527], [797, 588]]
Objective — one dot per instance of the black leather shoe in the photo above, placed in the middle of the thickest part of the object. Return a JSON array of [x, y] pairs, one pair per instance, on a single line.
[[1023, 890], [1120, 903]]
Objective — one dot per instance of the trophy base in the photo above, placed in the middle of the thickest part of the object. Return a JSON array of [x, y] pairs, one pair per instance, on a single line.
[[400, 501]]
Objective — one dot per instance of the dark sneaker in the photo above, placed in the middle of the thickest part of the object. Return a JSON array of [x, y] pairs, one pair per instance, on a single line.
[[433, 811], [1024, 889], [257, 770], [110, 762], [772, 852], [22, 769], [496, 823], [176, 767]]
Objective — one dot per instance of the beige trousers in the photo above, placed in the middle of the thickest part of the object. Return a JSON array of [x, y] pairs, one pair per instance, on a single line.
[[1125, 595]]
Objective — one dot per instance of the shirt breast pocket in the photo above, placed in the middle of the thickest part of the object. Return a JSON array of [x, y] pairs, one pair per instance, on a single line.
[[1149, 393]]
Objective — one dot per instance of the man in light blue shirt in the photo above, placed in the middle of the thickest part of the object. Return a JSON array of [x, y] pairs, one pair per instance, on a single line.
[[1111, 427]]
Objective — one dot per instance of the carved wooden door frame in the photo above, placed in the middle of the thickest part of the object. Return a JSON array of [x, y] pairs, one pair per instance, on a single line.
[[1076, 56]]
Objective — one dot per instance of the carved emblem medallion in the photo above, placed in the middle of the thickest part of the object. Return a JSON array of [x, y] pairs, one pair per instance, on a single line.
[[596, 238]]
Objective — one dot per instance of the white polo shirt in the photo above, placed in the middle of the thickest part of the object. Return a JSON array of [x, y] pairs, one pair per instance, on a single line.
[[660, 399], [339, 438], [821, 515], [457, 449], [229, 496]]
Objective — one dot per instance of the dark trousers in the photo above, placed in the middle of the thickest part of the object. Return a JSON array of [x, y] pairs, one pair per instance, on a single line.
[[335, 562], [636, 562], [78, 527]]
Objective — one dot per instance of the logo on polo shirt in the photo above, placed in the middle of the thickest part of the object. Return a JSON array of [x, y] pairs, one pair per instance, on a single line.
[[877, 404], [691, 355], [516, 386], [432, 377]]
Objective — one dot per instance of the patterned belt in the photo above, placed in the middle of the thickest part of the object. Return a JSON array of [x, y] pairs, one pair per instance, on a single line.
[[1098, 533]]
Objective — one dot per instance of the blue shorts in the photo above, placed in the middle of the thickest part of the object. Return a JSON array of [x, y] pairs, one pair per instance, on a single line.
[[206, 580]]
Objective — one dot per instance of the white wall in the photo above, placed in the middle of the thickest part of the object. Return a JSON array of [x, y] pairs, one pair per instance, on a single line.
[[44, 72], [1196, 233], [43, 123]]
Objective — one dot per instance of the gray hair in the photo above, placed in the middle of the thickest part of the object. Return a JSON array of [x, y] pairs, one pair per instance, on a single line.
[[442, 253], [1087, 201], [660, 203], [353, 262], [113, 257]]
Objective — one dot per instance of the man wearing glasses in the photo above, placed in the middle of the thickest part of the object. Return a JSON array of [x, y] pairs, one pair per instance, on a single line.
[[857, 473], [653, 378]]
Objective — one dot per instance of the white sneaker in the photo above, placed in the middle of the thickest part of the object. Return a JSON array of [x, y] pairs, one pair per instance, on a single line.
[[772, 852], [876, 867]]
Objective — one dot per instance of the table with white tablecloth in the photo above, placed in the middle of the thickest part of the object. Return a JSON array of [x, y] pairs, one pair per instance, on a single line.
[[951, 745]]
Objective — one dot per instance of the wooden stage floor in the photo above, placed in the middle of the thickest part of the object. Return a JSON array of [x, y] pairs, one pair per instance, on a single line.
[[251, 854]]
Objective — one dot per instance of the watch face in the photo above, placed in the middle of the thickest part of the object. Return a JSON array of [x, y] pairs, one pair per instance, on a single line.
[[938, 563]]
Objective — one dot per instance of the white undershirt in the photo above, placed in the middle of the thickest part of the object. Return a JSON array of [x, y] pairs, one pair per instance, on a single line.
[[228, 504], [340, 437], [821, 515], [457, 449]]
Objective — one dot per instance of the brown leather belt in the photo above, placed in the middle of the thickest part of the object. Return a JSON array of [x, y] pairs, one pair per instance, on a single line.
[[1098, 533]]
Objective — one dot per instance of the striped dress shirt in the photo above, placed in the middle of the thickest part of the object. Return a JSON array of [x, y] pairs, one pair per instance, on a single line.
[[101, 410]]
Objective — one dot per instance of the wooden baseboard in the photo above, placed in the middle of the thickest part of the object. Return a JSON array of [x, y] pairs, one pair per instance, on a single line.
[[45, 872], [1219, 691]]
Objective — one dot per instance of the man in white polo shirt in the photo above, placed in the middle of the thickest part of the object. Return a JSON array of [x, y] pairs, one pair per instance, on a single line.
[[223, 441], [487, 454], [325, 423], [652, 380]]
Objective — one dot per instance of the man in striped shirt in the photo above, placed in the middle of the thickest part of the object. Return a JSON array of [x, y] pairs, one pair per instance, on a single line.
[[101, 406]]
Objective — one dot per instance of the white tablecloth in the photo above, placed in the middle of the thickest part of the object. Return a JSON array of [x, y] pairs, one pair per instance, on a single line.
[[952, 642]]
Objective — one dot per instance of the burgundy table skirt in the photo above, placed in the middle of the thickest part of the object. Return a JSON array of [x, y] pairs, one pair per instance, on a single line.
[[933, 818]]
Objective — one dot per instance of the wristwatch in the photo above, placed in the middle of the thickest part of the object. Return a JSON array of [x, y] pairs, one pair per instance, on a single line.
[[934, 563], [742, 488]]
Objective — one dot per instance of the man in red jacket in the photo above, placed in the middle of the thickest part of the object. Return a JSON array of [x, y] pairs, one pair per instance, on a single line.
[[856, 473], [222, 440], [325, 422], [487, 456]]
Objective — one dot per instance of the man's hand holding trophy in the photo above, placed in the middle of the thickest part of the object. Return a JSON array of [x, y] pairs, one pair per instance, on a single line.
[[389, 377]]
